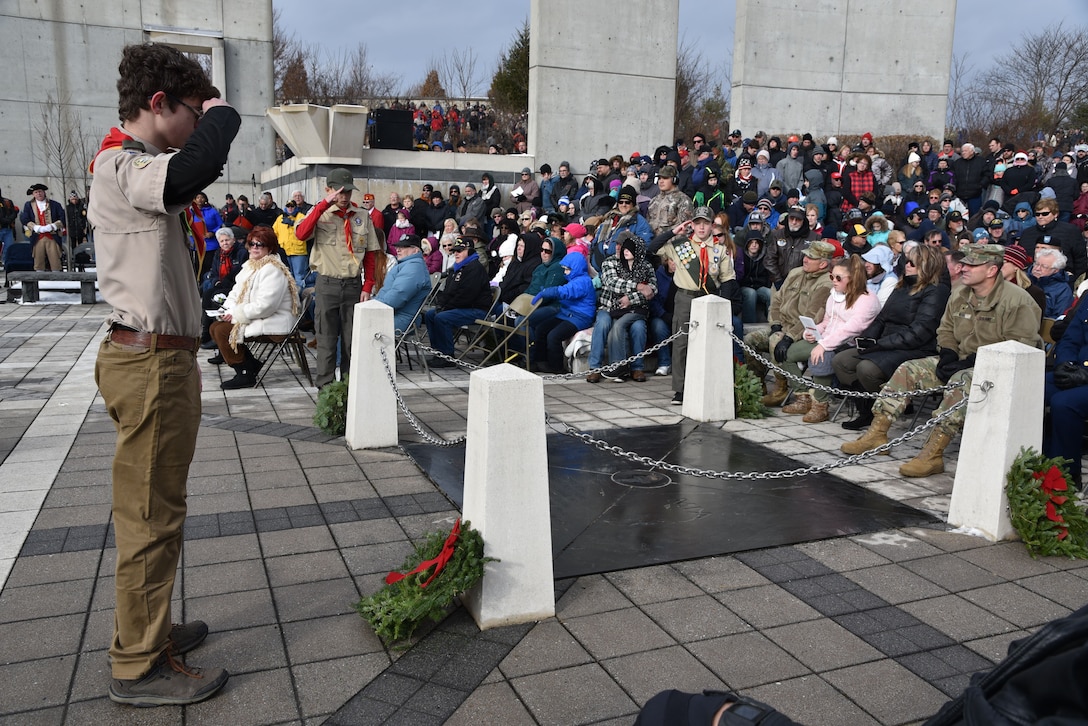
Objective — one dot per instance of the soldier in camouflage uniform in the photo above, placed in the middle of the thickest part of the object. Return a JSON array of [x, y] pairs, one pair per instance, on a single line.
[[984, 310], [805, 293], [668, 209]]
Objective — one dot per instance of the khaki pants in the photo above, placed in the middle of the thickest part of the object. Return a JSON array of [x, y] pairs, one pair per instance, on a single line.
[[154, 401], [46, 250]]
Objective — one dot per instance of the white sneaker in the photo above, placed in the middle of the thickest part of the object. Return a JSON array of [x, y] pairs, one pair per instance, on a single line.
[[662, 371]]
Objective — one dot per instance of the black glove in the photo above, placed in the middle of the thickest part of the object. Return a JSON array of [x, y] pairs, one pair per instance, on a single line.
[[1070, 375], [947, 356], [782, 347], [776, 328], [865, 343], [948, 368]]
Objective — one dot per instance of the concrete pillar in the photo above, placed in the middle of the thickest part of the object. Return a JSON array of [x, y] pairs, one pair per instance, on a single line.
[[372, 406], [587, 56], [708, 383], [999, 422], [506, 496]]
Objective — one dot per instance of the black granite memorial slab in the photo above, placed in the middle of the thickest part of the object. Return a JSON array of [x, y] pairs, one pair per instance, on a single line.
[[612, 514]]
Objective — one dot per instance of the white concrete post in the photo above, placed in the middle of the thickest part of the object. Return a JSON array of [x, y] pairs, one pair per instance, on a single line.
[[998, 423], [708, 382], [507, 498], [372, 407]]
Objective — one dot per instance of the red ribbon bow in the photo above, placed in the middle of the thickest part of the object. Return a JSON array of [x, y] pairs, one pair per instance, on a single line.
[[1054, 481], [438, 562]]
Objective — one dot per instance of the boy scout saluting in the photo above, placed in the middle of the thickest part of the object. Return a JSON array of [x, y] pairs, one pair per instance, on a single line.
[[173, 142]]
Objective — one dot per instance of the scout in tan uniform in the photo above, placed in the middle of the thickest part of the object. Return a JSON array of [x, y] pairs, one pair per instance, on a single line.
[[345, 247], [985, 309], [146, 368], [700, 267]]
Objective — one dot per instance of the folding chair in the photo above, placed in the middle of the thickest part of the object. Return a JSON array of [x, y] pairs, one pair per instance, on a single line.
[[267, 348], [410, 339], [472, 331], [510, 331]]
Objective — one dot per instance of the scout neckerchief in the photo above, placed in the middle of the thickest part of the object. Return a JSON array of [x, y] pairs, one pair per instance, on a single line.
[[346, 215]]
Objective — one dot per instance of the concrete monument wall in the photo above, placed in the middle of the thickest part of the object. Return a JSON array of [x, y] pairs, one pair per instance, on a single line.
[[842, 66], [602, 78], [69, 50]]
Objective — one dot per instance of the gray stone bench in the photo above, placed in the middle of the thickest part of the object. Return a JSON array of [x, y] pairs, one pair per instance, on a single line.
[[30, 280]]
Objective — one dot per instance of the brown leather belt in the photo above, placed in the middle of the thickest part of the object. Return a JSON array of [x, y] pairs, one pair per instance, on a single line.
[[153, 341]]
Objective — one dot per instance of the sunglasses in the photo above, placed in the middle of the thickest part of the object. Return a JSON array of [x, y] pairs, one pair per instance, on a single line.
[[1043, 213], [838, 278], [545, 250], [255, 245]]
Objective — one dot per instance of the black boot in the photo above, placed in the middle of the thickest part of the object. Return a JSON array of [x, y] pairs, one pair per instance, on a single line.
[[865, 413], [216, 360], [244, 377]]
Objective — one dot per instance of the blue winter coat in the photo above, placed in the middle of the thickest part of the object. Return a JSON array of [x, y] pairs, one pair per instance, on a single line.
[[405, 288], [577, 298]]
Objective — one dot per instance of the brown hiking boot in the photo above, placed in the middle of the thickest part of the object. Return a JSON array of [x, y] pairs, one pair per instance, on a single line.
[[169, 683], [818, 412], [185, 637], [779, 394], [930, 459], [593, 377], [801, 403], [876, 435]]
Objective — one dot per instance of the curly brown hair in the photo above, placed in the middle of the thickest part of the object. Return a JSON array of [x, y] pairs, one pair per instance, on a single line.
[[150, 67]]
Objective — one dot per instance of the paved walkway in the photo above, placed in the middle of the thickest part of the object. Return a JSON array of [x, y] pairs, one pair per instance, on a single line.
[[287, 528]]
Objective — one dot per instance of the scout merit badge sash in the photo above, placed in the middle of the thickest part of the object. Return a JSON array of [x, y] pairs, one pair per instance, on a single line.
[[696, 262]]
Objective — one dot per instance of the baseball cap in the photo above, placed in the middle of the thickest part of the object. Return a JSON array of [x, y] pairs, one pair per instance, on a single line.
[[340, 178], [983, 254]]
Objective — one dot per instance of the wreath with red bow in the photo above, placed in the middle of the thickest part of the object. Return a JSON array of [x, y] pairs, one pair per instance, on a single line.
[[1045, 508], [442, 568]]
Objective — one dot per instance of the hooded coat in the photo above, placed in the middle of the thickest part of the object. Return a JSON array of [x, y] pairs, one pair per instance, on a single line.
[[549, 273], [520, 272], [577, 298]]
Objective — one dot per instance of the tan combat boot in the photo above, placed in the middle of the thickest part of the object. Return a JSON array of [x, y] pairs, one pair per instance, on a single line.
[[779, 394], [930, 459], [876, 435], [801, 403], [818, 412]]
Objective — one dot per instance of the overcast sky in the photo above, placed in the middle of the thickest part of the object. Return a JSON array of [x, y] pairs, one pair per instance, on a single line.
[[403, 42]]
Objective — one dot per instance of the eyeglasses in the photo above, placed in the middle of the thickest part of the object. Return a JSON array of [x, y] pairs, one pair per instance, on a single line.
[[838, 278], [196, 111], [255, 245]]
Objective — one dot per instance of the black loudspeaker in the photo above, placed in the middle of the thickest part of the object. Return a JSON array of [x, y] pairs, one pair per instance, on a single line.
[[392, 129]]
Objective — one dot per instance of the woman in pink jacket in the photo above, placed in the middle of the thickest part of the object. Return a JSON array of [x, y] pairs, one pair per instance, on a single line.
[[849, 310]]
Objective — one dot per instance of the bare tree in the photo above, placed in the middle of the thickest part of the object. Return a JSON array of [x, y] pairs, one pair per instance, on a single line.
[[459, 73], [1043, 79], [702, 103], [61, 145]]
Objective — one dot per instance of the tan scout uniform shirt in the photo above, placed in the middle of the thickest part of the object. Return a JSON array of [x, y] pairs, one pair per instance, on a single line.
[[684, 251], [801, 294], [330, 255], [144, 270], [1007, 313]]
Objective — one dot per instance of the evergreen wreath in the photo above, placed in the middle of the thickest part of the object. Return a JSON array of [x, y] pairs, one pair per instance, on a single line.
[[442, 568], [1045, 508], [748, 393], [331, 415]]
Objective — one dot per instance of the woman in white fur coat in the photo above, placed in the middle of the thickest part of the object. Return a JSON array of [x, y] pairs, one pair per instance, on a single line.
[[263, 301]]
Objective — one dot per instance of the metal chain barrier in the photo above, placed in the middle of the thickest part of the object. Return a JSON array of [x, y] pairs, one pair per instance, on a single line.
[[619, 364], [391, 377], [568, 430], [809, 383]]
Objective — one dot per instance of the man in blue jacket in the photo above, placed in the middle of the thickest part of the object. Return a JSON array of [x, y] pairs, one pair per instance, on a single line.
[[407, 284]]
